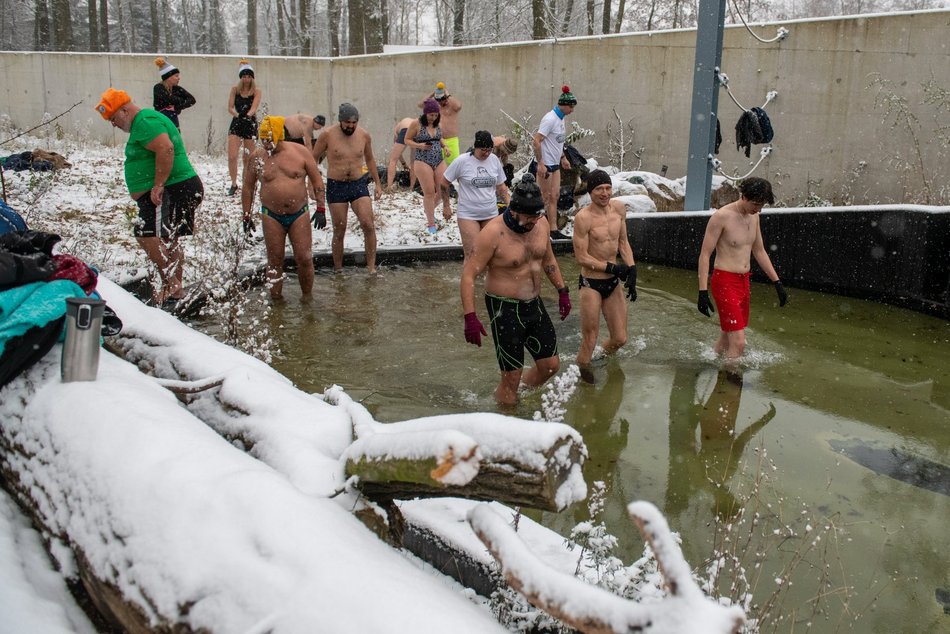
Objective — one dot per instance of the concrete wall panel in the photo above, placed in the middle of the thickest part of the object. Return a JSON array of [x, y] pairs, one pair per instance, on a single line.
[[825, 119]]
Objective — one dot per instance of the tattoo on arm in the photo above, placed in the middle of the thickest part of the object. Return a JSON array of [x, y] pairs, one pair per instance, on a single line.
[[550, 268]]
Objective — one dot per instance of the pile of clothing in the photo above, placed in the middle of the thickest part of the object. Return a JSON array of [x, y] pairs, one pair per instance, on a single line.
[[34, 284]]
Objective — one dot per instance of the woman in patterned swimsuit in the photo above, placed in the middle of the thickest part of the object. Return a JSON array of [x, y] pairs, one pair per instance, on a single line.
[[425, 136]]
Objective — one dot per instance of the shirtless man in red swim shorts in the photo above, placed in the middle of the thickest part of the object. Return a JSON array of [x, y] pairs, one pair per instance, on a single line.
[[734, 233]]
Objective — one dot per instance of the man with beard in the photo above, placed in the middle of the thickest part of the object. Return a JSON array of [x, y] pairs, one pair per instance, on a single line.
[[283, 168], [347, 147], [515, 248]]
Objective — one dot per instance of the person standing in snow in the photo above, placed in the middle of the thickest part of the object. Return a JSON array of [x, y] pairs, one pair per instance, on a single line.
[[167, 96], [163, 184], [449, 108], [301, 128], [481, 182], [733, 232], [396, 154], [549, 154], [283, 169], [600, 233], [428, 161], [347, 147], [243, 101], [515, 250]]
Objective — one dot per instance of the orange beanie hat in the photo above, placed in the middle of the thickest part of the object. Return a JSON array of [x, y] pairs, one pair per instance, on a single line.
[[111, 101]]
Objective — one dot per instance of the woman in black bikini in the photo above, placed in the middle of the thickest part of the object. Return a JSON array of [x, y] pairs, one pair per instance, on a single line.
[[243, 101]]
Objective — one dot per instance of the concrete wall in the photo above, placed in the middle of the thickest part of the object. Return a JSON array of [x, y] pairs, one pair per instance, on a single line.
[[825, 119]]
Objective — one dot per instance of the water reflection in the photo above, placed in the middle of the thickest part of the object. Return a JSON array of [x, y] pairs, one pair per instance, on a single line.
[[663, 423], [701, 466]]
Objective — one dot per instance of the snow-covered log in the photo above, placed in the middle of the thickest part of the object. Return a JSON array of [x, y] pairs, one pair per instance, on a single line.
[[523, 463], [596, 611], [172, 529]]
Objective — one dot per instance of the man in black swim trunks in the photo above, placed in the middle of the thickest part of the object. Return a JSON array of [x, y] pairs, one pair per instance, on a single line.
[[600, 232], [300, 128], [515, 249], [347, 148], [283, 170]]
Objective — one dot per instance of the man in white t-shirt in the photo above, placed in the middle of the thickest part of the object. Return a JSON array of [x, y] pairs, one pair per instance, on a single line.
[[549, 153], [480, 181]]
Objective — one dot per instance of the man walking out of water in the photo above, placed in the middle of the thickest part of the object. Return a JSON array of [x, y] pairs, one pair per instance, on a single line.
[[283, 168], [516, 250], [549, 152], [600, 233], [347, 146], [733, 232]]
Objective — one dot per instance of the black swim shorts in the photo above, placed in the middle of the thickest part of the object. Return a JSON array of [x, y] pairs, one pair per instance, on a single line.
[[518, 324], [177, 214], [347, 191], [604, 287]]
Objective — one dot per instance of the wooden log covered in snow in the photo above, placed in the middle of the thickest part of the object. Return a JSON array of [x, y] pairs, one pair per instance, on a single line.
[[534, 464]]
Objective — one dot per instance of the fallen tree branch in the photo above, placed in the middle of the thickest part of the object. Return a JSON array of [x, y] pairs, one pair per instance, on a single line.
[[40, 125], [594, 610]]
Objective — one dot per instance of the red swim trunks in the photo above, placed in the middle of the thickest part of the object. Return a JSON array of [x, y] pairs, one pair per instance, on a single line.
[[731, 292]]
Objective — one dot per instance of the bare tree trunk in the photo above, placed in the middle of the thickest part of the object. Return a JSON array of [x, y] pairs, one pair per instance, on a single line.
[[217, 36], [539, 30], [605, 18], [620, 9], [62, 26], [41, 41], [333, 26], [93, 25], [306, 39], [153, 14], [355, 9], [252, 27], [590, 17], [458, 23], [281, 28], [568, 13], [166, 24], [186, 19], [104, 44]]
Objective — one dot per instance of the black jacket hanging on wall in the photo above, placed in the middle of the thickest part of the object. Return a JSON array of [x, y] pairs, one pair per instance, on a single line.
[[752, 128]]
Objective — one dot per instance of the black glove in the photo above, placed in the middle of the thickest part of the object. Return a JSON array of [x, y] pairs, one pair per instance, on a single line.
[[619, 270], [703, 304], [631, 283], [781, 292], [249, 227], [319, 218]]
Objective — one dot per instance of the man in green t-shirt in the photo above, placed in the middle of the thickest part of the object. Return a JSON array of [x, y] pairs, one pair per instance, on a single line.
[[163, 184]]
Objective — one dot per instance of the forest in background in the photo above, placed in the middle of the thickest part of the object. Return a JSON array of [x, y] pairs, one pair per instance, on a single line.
[[331, 28]]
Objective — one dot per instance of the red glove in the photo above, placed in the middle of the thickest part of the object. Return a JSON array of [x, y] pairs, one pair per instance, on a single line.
[[563, 303], [474, 329]]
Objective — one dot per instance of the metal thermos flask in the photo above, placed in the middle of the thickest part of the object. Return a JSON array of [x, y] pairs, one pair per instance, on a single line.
[[81, 349]]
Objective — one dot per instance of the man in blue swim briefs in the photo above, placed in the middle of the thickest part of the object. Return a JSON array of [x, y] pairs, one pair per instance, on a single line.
[[733, 232], [515, 250], [283, 170], [347, 148], [600, 233]]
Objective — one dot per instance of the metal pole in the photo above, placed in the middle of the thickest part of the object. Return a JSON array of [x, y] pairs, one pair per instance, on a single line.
[[702, 127]]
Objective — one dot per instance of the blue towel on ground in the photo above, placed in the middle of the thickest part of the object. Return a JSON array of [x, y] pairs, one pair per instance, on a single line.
[[30, 305]]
